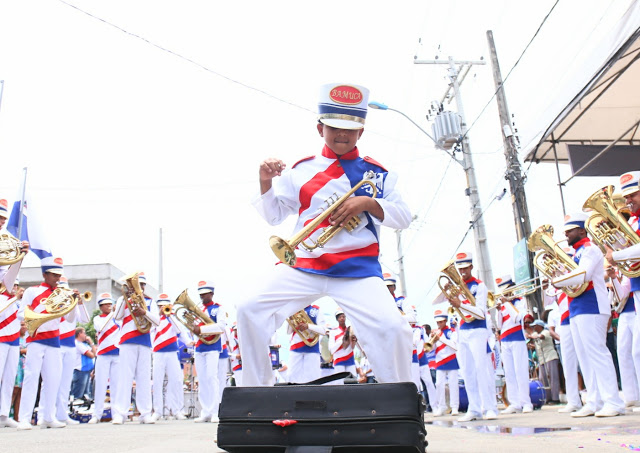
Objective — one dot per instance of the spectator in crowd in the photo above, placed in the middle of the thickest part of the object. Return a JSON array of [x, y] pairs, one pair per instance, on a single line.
[[84, 365], [548, 359]]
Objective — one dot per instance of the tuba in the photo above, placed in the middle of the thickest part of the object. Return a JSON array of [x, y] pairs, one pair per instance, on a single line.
[[456, 288], [551, 260], [308, 337], [189, 315], [10, 250], [134, 297], [431, 341], [285, 250], [608, 226], [60, 302]]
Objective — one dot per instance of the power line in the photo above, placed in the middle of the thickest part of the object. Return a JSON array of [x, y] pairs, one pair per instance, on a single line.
[[175, 54]]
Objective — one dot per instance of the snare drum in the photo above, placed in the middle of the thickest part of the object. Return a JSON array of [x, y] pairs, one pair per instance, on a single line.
[[537, 393]]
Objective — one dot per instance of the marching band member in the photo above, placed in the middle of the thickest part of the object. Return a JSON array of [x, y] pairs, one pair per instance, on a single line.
[[620, 294], [568, 350], [390, 281], [68, 355], [135, 358], [347, 268], [341, 346], [515, 358], [589, 313], [236, 357], [43, 356], [423, 370], [166, 363], [446, 366], [9, 330], [631, 192], [304, 360], [207, 355], [472, 345], [106, 369]]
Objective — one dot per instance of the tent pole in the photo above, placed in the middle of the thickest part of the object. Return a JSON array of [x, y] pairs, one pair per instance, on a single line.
[[560, 184]]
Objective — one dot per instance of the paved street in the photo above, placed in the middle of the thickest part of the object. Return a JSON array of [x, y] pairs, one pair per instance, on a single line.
[[543, 431]]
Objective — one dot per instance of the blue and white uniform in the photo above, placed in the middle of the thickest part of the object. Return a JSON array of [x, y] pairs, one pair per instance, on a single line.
[[107, 359], [447, 371]]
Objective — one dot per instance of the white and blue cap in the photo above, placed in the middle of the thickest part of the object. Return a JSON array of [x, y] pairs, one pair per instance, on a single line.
[[343, 106], [575, 220], [163, 299], [411, 314], [628, 183], [205, 286], [440, 315], [389, 279], [142, 278], [4, 208], [51, 264], [505, 281], [339, 312], [464, 259], [105, 298]]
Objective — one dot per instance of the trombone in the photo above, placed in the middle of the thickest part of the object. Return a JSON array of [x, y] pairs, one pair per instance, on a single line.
[[518, 291]]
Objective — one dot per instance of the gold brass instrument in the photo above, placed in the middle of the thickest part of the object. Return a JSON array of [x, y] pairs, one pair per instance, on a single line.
[[518, 291], [134, 297], [551, 260], [309, 337], [60, 302], [455, 287], [608, 226], [188, 313], [431, 341], [10, 250], [285, 250], [86, 297], [167, 310]]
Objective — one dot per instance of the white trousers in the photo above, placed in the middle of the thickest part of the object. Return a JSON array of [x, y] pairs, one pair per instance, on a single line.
[[208, 387], [635, 348], [9, 356], [135, 364], [382, 331], [569, 366], [69, 356], [167, 364], [515, 361], [425, 375], [589, 333], [45, 360], [223, 369], [237, 376], [106, 374], [472, 356], [450, 377], [629, 380], [303, 366]]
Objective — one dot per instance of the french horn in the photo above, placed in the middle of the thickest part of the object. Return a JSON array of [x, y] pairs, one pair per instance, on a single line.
[[10, 250], [59, 303], [187, 312], [285, 250], [551, 260], [608, 227]]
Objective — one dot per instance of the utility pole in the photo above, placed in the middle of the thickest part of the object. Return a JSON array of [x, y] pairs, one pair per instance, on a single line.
[[514, 169], [403, 283], [458, 70]]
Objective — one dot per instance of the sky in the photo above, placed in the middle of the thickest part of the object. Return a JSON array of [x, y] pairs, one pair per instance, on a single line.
[[137, 116]]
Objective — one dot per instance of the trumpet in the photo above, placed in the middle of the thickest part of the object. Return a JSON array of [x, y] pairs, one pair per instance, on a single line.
[[285, 250], [167, 310], [86, 297], [518, 291], [431, 341]]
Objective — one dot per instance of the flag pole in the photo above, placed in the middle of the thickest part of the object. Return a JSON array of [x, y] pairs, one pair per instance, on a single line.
[[24, 188]]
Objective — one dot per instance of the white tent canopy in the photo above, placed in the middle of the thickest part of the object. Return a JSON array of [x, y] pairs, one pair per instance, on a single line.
[[596, 102]]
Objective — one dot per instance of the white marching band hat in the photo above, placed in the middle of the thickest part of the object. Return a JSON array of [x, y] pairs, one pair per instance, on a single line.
[[629, 182], [505, 281], [440, 315], [142, 278], [389, 279], [4, 208], [51, 264], [343, 106], [575, 220], [339, 312], [163, 299], [105, 298], [464, 259], [205, 286]]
